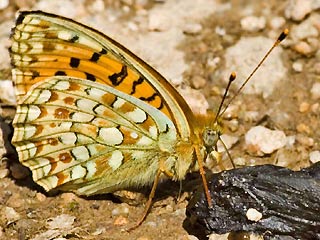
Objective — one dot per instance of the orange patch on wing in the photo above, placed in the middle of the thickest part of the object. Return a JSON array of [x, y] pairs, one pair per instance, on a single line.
[[53, 141], [65, 157], [127, 107], [108, 99], [53, 163], [110, 114], [61, 178], [39, 146], [69, 100], [43, 111], [61, 113], [54, 96], [128, 139], [74, 86], [147, 123], [39, 129]]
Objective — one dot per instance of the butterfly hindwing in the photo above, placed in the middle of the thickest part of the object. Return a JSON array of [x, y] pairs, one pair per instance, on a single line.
[[89, 137]]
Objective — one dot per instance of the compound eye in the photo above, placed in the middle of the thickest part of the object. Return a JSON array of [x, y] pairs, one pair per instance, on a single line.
[[210, 137]]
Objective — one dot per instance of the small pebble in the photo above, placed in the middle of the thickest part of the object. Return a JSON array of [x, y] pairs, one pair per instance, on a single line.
[[261, 140], [192, 28], [7, 92], [303, 48], [99, 231], [63, 221], [158, 22], [297, 66], [290, 141], [239, 161], [253, 23], [4, 173], [304, 140], [315, 107], [143, 238], [97, 6], [253, 215], [10, 214], [317, 67], [228, 140], [191, 237], [41, 197], [196, 100], [121, 210], [233, 125], [68, 197], [215, 236], [304, 107], [314, 156], [4, 4], [213, 62], [298, 9], [315, 90], [198, 82], [303, 128], [277, 22], [220, 31], [120, 221], [251, 116]]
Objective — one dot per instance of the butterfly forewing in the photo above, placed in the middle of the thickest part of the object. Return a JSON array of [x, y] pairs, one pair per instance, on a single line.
[[46, 45], [89, 137]]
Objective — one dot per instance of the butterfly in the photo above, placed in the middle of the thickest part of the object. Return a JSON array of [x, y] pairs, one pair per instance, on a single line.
[[93, 118]]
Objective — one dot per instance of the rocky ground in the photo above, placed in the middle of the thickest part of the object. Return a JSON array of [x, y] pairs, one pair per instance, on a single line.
[[195, 44]]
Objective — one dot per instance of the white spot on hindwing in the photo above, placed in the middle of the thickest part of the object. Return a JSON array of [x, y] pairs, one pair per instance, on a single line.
[[61, 85], [111, 136], [137, 115], [118, 103], [78, 172], [80, 153], [115, 160], [68, 138], [44, 96], [33, 112]]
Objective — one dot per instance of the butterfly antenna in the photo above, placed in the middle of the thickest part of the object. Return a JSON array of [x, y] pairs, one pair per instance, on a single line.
[[231, 79], [281, 37]]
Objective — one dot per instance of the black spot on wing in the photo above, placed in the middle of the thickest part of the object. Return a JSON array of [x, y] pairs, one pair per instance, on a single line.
[[35, 74], [74, 62], [103, 51], [135, 84], [74, 39], [95, 57], [90, 77], [60, 73], [152, 98], [117, 78]]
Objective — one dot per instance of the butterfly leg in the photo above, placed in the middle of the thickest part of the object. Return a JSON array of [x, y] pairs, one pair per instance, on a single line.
[[149, 202], [203, 175]]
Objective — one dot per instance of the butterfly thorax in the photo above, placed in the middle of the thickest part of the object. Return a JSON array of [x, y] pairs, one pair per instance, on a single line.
[[206, 133]]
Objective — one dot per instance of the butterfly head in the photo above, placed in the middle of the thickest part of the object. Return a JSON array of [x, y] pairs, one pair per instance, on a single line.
[[210, 138]]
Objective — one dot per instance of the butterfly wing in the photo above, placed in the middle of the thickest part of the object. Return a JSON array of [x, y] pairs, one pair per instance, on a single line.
[[46, 45], [89, 138]]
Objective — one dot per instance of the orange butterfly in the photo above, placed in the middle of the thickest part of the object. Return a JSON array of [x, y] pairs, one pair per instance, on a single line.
[[94, 118]]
